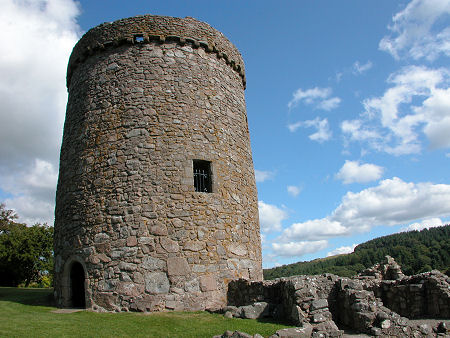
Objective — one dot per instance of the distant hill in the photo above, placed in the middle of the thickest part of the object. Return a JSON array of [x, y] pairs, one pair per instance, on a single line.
[[415, 251]]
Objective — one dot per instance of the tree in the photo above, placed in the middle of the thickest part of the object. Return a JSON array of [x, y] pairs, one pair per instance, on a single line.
[[26, 253], [6, 217], [415, 251]]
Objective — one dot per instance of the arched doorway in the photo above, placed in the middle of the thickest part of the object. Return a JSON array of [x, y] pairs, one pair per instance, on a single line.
[[77, 291]]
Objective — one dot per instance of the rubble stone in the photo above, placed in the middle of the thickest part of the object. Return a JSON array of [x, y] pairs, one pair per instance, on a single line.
[[365, 304], [294, 332]]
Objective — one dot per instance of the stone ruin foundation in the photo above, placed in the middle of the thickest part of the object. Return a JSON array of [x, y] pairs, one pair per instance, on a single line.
[[323, 305]]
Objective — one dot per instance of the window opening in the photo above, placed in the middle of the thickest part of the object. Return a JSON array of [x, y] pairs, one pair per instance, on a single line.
[[77, 291], [202, 176], [139, 38]]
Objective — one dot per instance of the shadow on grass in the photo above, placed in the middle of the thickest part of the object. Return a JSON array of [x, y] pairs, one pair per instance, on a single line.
[[271, 320], [27, 296]]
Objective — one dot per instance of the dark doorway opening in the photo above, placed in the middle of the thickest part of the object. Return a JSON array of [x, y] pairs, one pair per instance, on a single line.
[[77, 292]]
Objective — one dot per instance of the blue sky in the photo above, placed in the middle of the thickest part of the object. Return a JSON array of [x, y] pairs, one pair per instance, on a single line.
[[348, 107]]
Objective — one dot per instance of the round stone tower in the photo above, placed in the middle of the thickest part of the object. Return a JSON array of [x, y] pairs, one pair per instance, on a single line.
[[156, 206]]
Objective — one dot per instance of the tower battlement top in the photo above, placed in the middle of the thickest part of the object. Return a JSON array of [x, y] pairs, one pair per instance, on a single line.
[[151, 28]]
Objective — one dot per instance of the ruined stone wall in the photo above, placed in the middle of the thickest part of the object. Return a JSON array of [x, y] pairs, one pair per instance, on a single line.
[[423, 295], [147, 96], [323, 305]]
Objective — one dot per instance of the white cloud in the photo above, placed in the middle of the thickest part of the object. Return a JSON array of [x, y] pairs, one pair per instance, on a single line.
[[392, 202], [32, 210], [421, 30], [342, 250], [354, 172], [34, 192], [358, 132], [39, 36], [436, 111], [329, 104], [294, 126], [323, 132], [359, 69], [293, 190], [425, 224], [316, 229], [261, 176], [318, 97], [270, 217], [298, 248], [417, 103], [43, 175]]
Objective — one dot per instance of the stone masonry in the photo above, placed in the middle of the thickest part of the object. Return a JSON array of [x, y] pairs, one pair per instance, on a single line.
[[148, 97], [381, 301]]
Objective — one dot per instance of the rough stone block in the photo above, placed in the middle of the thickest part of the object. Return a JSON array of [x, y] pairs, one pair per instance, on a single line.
[[177, 266], [174, 305], [152, 263], [295, 332], [256, 310], [208, 283], [156, 282], [168, 244], [192, 286], [105, 300], [127, 266], [131, 241], [319, 304], [129, 289], [194, 246], [237, 249], [158, 229]]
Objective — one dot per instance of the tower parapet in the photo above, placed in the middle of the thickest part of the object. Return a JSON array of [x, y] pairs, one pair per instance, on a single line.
[[150, 28]]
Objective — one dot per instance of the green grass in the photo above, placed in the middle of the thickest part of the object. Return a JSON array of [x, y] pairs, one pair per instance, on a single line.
[[28, 313]]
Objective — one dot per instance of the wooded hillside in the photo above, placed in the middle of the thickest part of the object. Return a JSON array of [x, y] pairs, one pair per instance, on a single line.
[[415, 251]]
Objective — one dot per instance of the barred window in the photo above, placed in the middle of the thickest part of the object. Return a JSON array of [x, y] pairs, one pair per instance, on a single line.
[[202, 176]]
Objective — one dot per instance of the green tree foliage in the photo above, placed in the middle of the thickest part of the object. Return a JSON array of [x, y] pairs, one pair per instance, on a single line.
[[415, 251], [26, 253]]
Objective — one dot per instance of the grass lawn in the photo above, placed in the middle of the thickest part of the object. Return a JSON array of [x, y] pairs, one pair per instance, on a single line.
[[28, 313]]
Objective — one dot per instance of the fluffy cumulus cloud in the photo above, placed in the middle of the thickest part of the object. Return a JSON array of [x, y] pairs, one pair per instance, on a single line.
[[323, 132], [421, 30], [415, 109], [436, 110], [270, 217], [417, 104], [39, 36], [342, 250], [425, 224], [392, 202], [354, 172], [261, 175], [319, 98], [297, 249], [312, 230]]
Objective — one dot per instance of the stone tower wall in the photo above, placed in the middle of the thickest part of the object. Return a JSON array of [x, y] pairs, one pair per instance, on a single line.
[[147, 96]]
